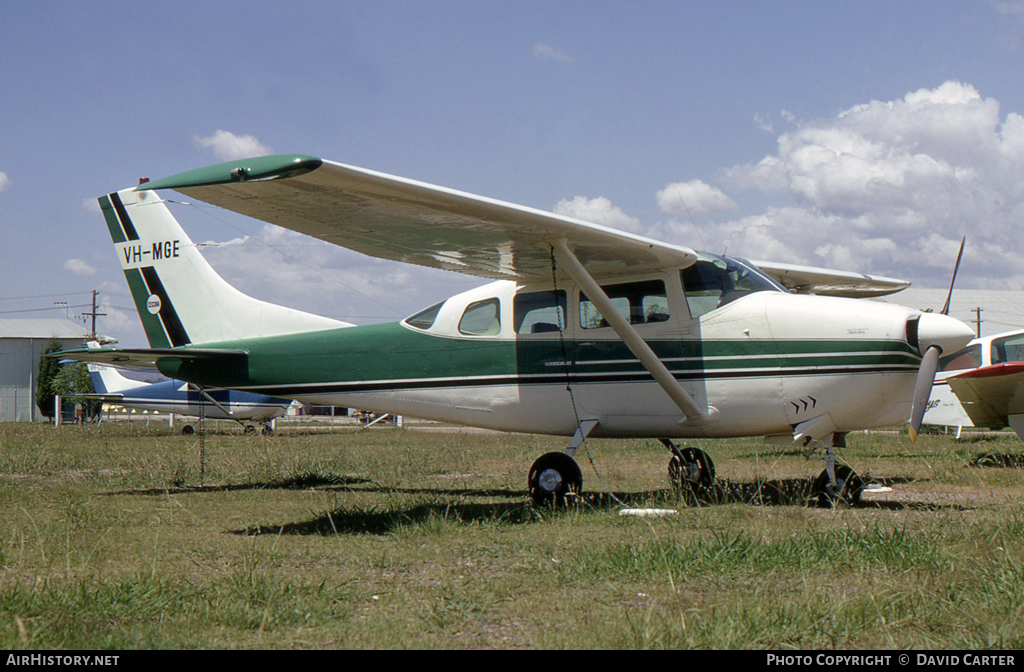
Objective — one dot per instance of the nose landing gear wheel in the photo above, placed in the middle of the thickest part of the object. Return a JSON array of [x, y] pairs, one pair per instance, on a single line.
[[691, 468], [847, 487], [554, 478]]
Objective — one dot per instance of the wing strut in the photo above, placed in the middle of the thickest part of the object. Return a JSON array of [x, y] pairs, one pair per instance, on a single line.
[[695, 415], [212, 400]]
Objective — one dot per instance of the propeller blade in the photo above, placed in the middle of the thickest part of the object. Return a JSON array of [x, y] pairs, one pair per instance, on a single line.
[[923, 389], [949, 297]]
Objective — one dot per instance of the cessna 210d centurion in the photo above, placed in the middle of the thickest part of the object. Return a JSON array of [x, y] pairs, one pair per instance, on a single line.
[[586, 332]]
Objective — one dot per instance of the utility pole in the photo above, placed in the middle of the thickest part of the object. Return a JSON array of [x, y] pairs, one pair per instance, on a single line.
[[94, 314], [977, 320]]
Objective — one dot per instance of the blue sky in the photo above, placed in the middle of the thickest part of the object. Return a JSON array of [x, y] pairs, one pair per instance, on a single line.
[[867, 136]]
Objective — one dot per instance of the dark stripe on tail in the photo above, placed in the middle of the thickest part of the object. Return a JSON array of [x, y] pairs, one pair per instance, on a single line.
[[126, 223], [172, 324]]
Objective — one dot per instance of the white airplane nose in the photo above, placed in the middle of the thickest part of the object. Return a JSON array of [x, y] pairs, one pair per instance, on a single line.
[[948, 333]]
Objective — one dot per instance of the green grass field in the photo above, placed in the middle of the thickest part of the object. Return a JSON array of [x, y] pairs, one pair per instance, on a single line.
[[405, 538]]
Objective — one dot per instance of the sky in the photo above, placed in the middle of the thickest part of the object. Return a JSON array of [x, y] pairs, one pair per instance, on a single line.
[[867, 136]]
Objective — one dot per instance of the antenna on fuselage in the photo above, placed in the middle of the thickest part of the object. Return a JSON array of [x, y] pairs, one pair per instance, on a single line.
[[687, 208]]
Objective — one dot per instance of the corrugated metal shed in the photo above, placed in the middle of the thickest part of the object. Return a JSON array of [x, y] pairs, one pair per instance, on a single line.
[[1002, 309], [21, 344], [41, 328]]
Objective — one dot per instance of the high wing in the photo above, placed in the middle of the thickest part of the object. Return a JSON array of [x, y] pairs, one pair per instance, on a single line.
[[404, 220], [827, 282], [993, 396]]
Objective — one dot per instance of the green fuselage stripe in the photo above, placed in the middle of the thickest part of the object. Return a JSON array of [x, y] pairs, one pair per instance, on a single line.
[[391, 356]]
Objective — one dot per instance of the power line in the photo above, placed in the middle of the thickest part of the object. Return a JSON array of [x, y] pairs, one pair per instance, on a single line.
[[40, 296]]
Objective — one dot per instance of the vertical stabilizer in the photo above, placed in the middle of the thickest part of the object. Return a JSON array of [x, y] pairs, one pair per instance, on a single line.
[[106, 380], [180, 298]]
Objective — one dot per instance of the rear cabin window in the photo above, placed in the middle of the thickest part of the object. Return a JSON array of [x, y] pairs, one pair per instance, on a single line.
[[639, 302], [425, 318], [968, 358], [481, 318], [539, 312], [1008, 349]]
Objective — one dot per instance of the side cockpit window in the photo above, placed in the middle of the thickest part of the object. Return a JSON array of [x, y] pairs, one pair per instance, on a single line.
[[482, 318], [712, 282], [1008, 349], [539, 312], [968, 358]]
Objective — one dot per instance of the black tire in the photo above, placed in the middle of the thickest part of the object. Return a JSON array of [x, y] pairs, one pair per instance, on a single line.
[[267, 431], [250, 430], [846, 490], [695, 471], [555, 480], [188, 430]]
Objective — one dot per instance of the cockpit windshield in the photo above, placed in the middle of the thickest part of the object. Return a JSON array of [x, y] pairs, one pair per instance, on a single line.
[[714, 281]]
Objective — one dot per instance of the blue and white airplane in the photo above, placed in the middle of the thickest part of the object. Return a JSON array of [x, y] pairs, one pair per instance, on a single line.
[[176, 396]]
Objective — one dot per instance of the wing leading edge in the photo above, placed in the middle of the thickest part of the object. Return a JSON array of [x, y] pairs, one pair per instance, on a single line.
[[414, 222], [404, 220]]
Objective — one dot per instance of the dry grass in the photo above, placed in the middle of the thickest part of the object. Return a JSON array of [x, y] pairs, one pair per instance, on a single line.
[[392, 538]]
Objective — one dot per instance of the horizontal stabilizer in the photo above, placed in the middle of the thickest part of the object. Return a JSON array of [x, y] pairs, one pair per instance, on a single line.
[[106, 398], [172, 362]]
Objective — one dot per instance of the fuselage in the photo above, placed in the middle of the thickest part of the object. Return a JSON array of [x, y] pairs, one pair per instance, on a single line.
[[174, 396], [538, 359]]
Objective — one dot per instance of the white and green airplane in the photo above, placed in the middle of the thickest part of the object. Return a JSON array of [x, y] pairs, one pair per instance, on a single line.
[[586, 331]]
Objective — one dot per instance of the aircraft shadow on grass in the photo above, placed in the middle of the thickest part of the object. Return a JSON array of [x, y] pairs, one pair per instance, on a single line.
[[1007, 460], [773, 492], [778, 492]]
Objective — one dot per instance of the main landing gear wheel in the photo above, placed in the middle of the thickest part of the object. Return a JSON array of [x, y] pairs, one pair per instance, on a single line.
[[188, 430], [554, 478], [267, 430], [250, 430], [847, 487], [691, 468]]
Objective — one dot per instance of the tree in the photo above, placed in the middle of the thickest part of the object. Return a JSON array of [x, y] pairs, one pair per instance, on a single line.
[[75, 379], [49, 369]]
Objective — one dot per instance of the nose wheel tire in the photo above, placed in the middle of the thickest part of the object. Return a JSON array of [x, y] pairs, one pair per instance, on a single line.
[[691, 468], [554, 480], [846, 489]]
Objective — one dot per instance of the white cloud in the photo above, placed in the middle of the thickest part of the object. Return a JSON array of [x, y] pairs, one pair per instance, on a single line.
[[1009, 8], [889, 187], [227, 146], [598, 211], [91, 205], [5, 182], [693, 196], [549, 53], [79, 267], [762, 124], [325, 279]]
